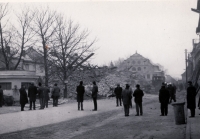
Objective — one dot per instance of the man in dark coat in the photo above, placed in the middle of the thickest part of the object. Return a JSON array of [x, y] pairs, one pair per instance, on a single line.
[[138, 94], [41, 96], [191, 98], [164, 100], [55, 94], [118, 94], [1, 96], [94, 95], [126, 97], [80, 94], [32, 91], [171, 90], [23, 97], [46, 96]]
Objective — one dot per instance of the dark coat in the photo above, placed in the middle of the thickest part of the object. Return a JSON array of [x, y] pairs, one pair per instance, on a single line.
[[80, 93], [138, 94], [118, 91], [126, 96], [94, 91], [56, 91], [171, 90], [32, 91], [40, 92], [1, 95], [191, 97], [164, 95], [46, 93], [23, 96]]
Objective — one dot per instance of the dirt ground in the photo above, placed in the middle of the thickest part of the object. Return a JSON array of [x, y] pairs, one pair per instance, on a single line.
[[112, 125]]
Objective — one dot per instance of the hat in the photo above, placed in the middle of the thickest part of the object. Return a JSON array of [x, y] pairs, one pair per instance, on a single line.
[[137, 85]]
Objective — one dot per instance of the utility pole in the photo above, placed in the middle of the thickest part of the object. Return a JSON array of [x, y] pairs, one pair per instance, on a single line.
[[186, 65]]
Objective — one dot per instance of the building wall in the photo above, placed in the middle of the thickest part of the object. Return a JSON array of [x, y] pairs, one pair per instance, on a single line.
[[140, 65]]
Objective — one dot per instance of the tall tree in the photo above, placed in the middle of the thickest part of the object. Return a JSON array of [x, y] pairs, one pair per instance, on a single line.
[[14, 38], [45, 27], [70, 48]]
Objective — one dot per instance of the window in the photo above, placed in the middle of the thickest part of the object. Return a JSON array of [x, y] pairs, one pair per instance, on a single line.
[[139, 62], [26, 84], [26, 66], [6, 85], [148, 76], [139, 69], [133, 62], [133, 69], [144, 67]]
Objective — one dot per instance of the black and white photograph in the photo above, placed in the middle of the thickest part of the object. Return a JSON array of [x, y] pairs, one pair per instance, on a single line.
[[97, 69]]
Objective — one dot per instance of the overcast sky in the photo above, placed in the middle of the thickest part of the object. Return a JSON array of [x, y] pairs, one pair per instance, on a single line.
[[158, 30]]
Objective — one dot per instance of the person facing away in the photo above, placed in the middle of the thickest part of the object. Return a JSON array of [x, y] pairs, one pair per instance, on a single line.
[[80, 95], [164, 100], [46, 96], [32, 91], [172, 93], [55, 95], [1, 96], [23, 97], [118, 94], [126, 97], [138, 94], [94, 95], [41, 96], [191, 98]]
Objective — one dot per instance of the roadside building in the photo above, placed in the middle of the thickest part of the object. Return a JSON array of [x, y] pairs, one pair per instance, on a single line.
[[30, 70]]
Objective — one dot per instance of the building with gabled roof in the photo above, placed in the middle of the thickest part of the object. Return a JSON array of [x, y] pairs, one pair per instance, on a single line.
[[138, 64], [30, 70]]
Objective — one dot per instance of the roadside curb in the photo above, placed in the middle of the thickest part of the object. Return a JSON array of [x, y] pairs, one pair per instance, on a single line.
[[188, 129]]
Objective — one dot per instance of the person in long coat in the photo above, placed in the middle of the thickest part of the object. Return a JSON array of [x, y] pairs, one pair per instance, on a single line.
[[171, 90], [164, 100], [191, 98], [41, 96], [138, 94], [32, 92], [126, 97], [55, 95], [1, 97], [46, 96], [118, 94], [23, 97], [80, 95], [94, 95]]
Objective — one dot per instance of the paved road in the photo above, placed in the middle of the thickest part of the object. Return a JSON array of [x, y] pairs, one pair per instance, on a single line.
[[108, 122]]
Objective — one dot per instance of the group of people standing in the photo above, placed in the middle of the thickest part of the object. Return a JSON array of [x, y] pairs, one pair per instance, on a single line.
[[167, 93], [43, 94], [126, 95]]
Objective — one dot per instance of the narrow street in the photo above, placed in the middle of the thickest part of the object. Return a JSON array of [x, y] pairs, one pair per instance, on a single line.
[[111, 124]]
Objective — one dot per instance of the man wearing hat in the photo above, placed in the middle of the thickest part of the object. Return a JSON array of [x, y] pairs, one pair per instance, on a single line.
[[164, 100], [138, 94], [191, 98]]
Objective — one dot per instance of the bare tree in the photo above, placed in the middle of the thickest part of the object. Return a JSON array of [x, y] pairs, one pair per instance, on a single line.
[[24, 36], [45, 27], [14, 37], [5, 35], [70, 48]]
